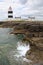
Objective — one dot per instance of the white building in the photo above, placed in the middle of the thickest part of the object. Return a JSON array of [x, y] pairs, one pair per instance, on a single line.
[[10, 13]]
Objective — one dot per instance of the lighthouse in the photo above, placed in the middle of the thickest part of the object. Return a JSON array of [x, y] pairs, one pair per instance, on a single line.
[[10, 13]]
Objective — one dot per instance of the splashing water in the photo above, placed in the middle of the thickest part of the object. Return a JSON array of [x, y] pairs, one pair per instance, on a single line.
[[22, 48]]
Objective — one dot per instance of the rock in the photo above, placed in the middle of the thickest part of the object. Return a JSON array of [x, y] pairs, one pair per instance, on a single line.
[[35, 55], [38, 43]]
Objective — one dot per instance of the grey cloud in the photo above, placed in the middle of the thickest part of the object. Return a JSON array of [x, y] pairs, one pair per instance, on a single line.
[[23, 1], [39, 7], [38, 4]]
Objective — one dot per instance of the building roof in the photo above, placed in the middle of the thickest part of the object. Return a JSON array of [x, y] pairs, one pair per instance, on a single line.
[[10, 8]]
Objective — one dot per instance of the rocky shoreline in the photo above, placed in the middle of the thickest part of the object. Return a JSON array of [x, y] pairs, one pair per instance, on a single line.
[[34, 35], [35, 55], [32, 32]]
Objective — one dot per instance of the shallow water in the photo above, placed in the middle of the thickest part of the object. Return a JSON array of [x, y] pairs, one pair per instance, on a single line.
[[12, 49]]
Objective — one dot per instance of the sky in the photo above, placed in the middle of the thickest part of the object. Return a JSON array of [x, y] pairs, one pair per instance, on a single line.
[[22, 8]]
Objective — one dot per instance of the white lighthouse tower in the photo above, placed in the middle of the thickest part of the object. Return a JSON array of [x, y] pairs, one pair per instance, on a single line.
[[10, 13]]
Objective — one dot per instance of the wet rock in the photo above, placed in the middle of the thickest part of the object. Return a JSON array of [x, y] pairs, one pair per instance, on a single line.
[[35, 55], [38, 43]]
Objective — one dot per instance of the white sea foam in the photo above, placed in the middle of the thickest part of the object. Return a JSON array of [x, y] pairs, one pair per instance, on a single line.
[[22, 48]]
